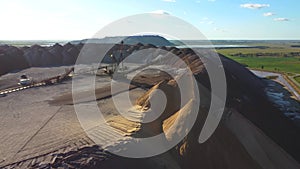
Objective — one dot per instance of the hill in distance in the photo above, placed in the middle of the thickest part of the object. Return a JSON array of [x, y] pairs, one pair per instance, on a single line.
[[130, 40]]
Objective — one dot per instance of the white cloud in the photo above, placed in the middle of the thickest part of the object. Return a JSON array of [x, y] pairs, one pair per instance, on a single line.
[[281, 19], [169, 0], [206, 20], [211, 0], [160, 12], [255, 6], [211, 22], [220, 30], [269, 14]]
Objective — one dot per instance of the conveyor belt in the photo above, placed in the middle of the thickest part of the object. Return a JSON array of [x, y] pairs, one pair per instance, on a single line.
[[19, 88], [44, 82]]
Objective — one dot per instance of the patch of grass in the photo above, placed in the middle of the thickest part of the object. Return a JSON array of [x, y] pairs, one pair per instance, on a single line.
[[272, 77], [271, 49], [297, 79], [290, 74], [278, 64], [275, 57]]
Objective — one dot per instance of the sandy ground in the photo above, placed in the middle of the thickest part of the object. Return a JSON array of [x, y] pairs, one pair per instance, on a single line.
[[30, 127], [24, 115], [38, 123]]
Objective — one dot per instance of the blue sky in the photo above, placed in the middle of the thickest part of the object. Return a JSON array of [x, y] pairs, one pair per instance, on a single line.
[[216, 19]]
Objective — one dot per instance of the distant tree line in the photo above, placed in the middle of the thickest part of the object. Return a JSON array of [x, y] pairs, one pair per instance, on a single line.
[[290, 54]]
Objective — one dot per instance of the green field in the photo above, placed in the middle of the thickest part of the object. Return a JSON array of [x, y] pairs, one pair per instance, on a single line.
[[270, 57], [297, 79], [271, 63]]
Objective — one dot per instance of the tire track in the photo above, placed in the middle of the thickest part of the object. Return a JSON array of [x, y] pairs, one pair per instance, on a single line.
[[26, 143]]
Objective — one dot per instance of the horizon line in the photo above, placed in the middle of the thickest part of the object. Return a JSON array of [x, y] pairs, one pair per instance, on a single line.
[[3, 40]]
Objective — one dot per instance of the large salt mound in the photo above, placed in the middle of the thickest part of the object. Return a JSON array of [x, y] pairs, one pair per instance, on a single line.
[[240, 141], [253, 133], [236, 143]]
